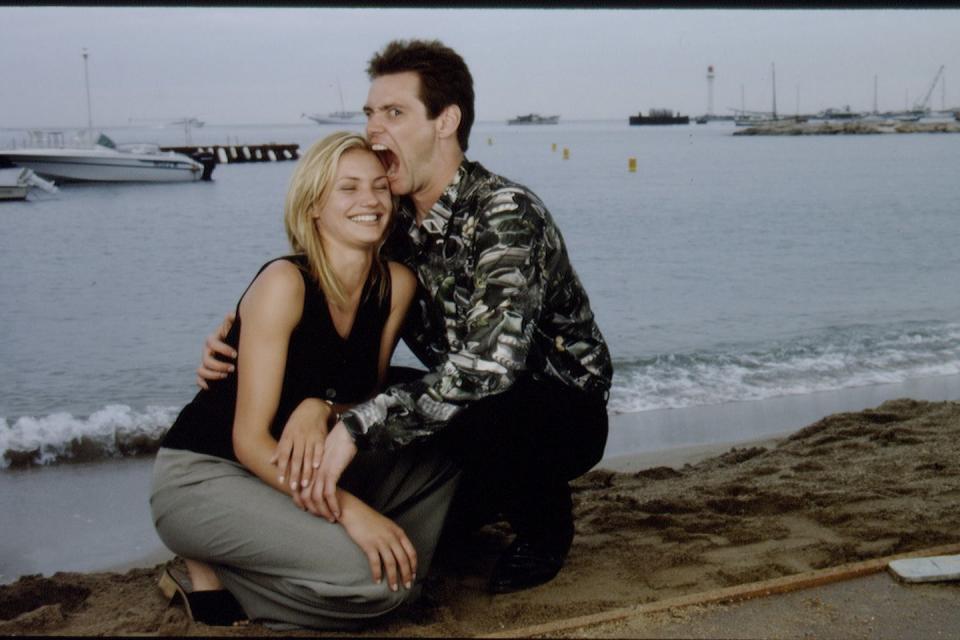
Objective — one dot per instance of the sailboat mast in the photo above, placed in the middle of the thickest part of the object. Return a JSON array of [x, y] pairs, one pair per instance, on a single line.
[[773, 72], [875, 111], [86, 82]]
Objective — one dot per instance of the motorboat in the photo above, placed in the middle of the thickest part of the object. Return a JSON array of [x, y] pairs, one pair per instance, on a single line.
[[103, 161], [16, 182], [534, 118], [100, 160]]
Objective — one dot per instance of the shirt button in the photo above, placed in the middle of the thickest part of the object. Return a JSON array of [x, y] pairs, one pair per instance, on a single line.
[[331, 393]]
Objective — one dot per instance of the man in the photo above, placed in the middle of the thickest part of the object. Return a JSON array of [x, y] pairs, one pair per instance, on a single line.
[[519, 372]]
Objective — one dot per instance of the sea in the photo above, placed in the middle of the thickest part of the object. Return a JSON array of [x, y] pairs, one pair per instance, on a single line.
[[746, 286]]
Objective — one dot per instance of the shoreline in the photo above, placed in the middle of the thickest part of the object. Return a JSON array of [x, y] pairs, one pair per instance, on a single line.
[[656, 526], [45, 505]]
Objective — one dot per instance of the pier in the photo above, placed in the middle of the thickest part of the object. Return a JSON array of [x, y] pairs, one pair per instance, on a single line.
[[233, 153], [855, 127]]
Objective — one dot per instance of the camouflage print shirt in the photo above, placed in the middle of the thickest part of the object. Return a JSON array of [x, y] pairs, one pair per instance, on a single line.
[[497, 297]]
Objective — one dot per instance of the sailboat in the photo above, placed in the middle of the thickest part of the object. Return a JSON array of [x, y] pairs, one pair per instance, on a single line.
[[746, 118], [341, 117]]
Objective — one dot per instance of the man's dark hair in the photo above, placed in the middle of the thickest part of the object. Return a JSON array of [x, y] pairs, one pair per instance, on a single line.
[[444, 77]]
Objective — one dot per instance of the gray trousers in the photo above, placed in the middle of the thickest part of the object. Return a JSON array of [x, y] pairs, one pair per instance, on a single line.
[[289, 566]]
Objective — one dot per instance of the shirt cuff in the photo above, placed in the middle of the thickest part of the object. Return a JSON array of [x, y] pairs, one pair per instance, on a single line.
[[355, 429]]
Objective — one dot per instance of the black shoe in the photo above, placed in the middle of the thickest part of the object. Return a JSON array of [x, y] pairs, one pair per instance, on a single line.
[[215, 608], [529, 562]]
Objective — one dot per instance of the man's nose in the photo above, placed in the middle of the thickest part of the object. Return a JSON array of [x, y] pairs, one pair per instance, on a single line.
[[373, 123]]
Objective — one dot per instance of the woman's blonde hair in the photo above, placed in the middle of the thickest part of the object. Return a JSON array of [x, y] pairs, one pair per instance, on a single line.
[[309, 187]]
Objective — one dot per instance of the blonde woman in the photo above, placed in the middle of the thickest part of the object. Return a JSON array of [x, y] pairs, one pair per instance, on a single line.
[[232, 482]]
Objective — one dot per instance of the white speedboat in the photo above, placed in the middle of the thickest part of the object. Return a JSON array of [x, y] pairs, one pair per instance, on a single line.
[[103, 162], [86, 160]]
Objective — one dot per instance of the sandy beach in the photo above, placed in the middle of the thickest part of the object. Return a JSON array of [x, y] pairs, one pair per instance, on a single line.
[[850, 487]]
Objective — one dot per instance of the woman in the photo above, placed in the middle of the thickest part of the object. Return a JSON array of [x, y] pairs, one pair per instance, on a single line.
[[232, 487]]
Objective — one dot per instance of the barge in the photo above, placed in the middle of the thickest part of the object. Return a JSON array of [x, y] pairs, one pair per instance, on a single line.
[[659, 116]]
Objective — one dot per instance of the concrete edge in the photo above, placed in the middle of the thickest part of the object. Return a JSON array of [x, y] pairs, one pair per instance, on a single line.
[[763, 588]]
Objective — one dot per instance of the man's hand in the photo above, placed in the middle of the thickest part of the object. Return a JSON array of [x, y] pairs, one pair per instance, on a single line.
[[338, 452], [210, 367], [300, 448]]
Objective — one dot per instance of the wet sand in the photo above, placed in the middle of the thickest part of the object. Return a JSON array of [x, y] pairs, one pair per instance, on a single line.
[[849, 487]]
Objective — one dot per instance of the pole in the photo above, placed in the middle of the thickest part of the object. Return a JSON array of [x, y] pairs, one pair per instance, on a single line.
[[875, 111], [710, 91], [943, 93], [773, 72], [86, 82]]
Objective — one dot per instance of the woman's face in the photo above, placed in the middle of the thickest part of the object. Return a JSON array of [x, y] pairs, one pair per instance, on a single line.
[[357, 209]]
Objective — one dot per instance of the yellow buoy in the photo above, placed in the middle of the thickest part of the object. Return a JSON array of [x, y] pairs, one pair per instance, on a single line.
[[553, 147], [632, 165], [489, 141], [566, 153]]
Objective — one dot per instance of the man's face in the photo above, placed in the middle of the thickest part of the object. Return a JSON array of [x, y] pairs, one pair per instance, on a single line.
[[398, 128]]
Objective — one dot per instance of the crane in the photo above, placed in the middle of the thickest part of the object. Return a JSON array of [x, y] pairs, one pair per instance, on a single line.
[[922, 106]]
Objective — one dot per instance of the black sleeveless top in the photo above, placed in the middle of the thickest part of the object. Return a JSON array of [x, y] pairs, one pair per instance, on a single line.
[[320, 364]]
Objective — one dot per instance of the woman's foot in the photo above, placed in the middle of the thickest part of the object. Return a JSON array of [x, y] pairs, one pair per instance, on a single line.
[[202, 576]]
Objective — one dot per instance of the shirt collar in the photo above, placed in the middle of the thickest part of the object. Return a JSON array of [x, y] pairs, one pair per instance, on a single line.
[[435, 224]]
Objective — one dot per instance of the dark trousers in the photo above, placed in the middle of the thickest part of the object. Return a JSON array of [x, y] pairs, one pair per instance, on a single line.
[[518, 451]]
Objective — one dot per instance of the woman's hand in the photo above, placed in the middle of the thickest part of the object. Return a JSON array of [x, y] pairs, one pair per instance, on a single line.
[[210, 367], [383, 542], [300, 448]]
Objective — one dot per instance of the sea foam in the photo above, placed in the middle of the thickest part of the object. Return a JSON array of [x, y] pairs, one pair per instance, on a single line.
[[116, 430], [836, 358]]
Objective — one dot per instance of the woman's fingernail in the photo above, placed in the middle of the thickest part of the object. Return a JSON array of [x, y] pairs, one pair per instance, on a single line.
[[408, 585], [393, 587], [280, 479]]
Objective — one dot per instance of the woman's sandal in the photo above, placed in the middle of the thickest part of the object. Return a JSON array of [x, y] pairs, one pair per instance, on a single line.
[[215, 608]]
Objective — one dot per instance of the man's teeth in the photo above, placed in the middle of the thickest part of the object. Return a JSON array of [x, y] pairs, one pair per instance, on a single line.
[[379, 147]]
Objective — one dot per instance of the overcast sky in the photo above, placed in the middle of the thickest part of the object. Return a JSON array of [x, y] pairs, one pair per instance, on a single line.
[[269, 65]]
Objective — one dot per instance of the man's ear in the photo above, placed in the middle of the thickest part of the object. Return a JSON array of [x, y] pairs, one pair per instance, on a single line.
[[448, 121]]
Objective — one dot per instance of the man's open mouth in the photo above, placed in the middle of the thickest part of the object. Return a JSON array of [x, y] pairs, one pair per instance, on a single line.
[[387, 157]]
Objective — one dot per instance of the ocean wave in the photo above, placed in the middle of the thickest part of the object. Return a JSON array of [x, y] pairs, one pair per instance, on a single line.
[[114, 431], [835, 358]]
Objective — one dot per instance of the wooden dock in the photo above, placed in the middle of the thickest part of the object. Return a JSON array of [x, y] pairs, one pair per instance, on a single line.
[[233, 153]]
